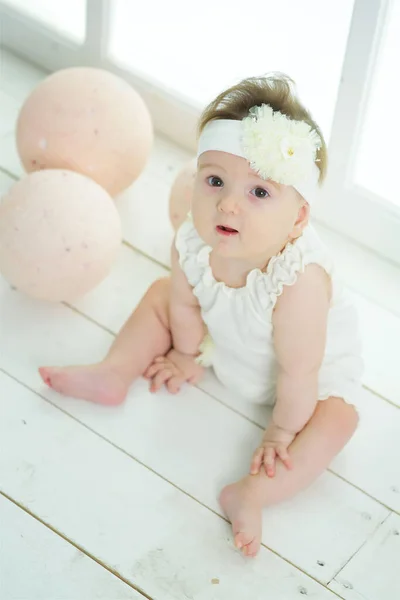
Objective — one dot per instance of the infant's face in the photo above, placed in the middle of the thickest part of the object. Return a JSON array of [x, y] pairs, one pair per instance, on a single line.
[[239, 214]]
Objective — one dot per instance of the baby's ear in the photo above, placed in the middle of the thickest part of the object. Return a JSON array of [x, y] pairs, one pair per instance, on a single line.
[[302, 220]]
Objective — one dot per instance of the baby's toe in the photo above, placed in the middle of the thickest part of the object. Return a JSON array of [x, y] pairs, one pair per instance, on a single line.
[[252, 548], [242, 539], [46, 374], [247, 543]]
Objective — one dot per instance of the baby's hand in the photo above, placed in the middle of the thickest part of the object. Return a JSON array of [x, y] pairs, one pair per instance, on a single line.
[[274, 445], [173, 370]]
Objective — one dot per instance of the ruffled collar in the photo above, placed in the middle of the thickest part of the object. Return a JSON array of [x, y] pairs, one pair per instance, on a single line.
[[281, 268]]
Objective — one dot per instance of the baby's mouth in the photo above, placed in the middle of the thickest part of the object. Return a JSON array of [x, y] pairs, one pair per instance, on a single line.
[[226, 230]]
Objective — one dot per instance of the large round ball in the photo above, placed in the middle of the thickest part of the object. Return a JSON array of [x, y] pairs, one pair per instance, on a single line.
[[180, 198], [89, 121], [59, 235]]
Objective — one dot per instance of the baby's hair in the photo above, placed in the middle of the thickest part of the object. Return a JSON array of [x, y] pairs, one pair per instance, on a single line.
[[275, 89]]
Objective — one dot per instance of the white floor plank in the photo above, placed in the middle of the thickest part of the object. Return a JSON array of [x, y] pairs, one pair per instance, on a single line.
[[5, 183], [381, 341], [8, 112], [120, 512], [37, 564], [113, 300], [9, 159], [374, 573], [166, 160], [363, 271], [145, 222], [161, 430], [18, 77], [371, 459], [144, 206], [257, 413]]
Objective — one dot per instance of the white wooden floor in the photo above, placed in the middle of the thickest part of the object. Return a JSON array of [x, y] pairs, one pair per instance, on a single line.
[[99, 503]]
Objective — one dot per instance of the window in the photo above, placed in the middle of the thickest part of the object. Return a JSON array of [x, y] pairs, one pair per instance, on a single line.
[[377, 161], [69, 18], [196, 53]]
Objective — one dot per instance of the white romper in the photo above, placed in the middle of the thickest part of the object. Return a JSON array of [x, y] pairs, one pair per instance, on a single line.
[[239, 320]]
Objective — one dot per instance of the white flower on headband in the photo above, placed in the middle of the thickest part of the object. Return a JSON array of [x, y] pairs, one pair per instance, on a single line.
[[277, 147]]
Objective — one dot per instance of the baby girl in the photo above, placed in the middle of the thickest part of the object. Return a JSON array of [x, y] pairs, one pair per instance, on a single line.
[[252, 293]]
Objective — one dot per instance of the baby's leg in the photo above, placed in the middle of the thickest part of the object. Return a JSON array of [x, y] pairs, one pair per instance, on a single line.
[[327, 432], [144, 336]]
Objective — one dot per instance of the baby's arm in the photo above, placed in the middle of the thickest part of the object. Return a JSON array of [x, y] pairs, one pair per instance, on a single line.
[[187, 333], [300, 323], [187, 328]]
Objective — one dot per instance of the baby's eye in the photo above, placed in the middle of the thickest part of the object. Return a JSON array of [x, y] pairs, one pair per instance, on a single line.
[[259, 192], [214, 181]]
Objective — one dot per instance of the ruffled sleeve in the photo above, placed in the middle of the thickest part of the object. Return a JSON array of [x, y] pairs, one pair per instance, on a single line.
[[193, 252], [284, 268]]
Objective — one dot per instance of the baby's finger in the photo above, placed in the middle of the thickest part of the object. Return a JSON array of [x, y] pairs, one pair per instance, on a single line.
[[283, 454], [160, 379], [154, 369], [256, 461], [269, 461], [159, 359], [174, 384]]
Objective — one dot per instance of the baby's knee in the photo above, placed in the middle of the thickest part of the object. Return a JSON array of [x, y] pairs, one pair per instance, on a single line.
[[343, 414], [159, 288], [349, 415], [158, 296]]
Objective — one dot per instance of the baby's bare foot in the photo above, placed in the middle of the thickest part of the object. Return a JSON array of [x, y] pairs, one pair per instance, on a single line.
[[98, 383], [245, 514]]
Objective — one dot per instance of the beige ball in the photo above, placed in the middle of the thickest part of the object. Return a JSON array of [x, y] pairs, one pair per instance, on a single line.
[[89, 121], [59, 235], [180, 198]]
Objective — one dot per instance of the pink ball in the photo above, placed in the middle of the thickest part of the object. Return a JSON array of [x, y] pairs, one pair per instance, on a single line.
[[59, 235], [180, 198], [89, 121]]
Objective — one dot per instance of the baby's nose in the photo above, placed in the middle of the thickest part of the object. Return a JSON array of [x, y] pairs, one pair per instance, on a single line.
[[228, 204]]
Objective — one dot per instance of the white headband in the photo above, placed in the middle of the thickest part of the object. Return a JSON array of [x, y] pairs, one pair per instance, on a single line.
[[277, 148]]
